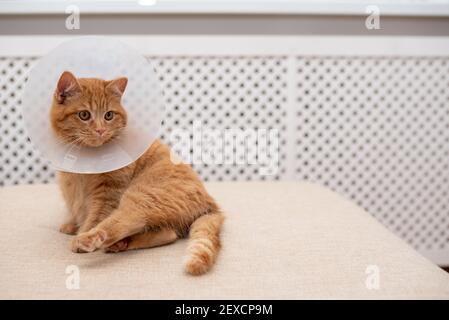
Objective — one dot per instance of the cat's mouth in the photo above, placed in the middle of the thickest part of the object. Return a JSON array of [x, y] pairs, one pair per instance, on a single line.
[[93, 141], [98, 141], [89, 139]]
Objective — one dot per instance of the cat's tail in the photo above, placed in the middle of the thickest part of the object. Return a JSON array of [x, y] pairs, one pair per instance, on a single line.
[[204, 243]]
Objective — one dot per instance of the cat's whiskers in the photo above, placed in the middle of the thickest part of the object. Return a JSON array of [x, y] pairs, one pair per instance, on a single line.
[[66, 141], [117, 135]]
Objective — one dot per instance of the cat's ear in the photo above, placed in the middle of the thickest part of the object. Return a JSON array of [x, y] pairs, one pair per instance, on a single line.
[[117, 86], [67, 87]]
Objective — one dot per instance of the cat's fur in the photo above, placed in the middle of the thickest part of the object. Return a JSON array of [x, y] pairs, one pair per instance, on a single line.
[[150, 202]]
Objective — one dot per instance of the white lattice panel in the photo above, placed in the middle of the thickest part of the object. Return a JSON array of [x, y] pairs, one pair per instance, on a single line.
[[373, 128], [377, 130], [19, 161], [226, 93]]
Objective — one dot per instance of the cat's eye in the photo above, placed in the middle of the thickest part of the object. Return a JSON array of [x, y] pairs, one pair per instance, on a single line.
[[109, 115], [84, 115]]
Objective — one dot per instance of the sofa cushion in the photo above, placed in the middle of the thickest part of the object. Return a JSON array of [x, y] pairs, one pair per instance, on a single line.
[[281, 240]]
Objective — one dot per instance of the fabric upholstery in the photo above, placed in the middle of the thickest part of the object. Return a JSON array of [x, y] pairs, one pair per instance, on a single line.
[[281, 240]]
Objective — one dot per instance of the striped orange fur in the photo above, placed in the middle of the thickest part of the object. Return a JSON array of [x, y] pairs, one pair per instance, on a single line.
[[148, 203]]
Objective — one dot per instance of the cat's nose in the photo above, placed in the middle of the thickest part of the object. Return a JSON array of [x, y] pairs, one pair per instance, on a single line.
[[100, 131]]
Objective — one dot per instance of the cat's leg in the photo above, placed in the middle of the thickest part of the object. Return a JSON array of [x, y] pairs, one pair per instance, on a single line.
[[101, 202], [119, 225], [76, 216], [147, 239], [100, 206], [69, 227], [93, 218], [68, 185], [140, 206]]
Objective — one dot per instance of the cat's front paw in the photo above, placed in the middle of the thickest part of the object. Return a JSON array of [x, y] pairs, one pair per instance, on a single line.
[[68, 228], [88, 241]]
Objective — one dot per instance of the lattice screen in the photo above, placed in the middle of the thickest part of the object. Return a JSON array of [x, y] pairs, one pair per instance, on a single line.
[[223, 93], [377, 130], [19, 161], [373, 129]]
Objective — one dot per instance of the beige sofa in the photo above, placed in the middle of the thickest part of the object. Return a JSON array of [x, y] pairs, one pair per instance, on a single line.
[[280, 241]]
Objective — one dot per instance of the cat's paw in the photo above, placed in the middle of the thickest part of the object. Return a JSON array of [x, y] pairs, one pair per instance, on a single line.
[[88, 241], [119, 246], [68, 228]]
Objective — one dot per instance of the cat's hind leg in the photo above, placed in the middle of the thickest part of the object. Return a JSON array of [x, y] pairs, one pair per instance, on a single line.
[[139, 208], [147, 239]]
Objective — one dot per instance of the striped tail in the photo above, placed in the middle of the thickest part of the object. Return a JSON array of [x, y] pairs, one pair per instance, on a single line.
[[204, 243]]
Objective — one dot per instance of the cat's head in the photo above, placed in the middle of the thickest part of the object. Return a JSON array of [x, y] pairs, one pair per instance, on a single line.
[[88, 111]]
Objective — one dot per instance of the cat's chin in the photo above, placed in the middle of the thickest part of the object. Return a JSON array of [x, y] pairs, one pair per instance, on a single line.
[[95, 143]]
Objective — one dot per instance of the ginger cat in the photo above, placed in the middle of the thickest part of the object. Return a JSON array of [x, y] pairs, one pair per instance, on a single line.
[[148, 203]]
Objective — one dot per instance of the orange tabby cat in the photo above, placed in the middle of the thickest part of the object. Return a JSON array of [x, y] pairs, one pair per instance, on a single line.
[[151, 202]]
